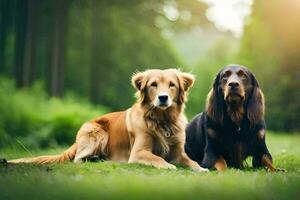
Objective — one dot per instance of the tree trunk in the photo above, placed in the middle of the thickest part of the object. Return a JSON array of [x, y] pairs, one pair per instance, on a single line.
[[96, 44], [21, 23], [30, 42], [4, 24], [56, 84]]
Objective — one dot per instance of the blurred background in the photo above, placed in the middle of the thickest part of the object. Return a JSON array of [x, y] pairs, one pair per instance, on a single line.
[[63, 62]]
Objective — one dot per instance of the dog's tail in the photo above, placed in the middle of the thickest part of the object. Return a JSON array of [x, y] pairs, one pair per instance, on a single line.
[[68, 155]]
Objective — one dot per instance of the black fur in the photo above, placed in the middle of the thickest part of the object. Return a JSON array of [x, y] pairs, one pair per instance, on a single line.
[[227, 139], [230, 142]]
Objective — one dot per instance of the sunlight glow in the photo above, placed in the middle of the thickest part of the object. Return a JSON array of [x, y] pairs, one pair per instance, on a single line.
[[171, 12], [229, 14]]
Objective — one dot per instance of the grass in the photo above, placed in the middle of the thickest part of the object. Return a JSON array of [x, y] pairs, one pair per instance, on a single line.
[[109, 180]]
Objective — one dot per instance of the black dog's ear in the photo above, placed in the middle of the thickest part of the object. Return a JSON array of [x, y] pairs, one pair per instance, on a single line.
[[214, 102], [256, 103]]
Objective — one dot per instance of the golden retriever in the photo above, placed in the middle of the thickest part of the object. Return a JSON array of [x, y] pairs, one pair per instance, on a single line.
[[151, 132]]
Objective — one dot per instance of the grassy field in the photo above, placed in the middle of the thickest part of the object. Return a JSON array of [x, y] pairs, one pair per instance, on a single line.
[[108, 180]]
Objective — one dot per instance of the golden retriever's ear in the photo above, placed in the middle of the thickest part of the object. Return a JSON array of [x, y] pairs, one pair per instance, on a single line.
[[187, 80], [137, 80]]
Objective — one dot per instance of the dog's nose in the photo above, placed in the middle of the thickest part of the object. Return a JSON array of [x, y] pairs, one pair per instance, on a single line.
[[234, 84], [163, 98]]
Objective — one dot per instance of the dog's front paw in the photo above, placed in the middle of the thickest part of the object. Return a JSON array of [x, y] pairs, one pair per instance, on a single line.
[[200, 169], [170, 166], [165, 166], [204, 170], [196, 167]]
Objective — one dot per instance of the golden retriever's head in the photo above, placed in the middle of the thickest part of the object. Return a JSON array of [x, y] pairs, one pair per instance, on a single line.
[[162, 88]]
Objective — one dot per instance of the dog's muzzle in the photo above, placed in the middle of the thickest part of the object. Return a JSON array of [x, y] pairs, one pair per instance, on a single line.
[[163, 100]]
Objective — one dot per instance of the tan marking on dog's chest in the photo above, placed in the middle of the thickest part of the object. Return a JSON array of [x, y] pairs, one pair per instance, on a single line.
[[212, 134], [261, 134]]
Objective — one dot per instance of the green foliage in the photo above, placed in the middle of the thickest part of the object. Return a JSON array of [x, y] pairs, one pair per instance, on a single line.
[[206, 70], [110, 180], [106, 41], [29, 117], [271, 47], [117, 40]]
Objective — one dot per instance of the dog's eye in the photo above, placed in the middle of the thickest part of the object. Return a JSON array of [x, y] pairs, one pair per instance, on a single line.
[[224, 78], [154, 84], [242, 74], [244, 77], [171, 84]]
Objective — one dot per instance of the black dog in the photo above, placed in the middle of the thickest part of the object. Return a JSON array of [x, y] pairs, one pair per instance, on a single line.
[[232, 127]]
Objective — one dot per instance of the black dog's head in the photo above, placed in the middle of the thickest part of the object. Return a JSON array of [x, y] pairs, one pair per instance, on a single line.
[[235, 92]]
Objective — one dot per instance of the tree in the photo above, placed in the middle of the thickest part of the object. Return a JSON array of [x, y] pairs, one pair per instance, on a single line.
[[56, 82], [97, 43], [5, 24], [21, 27], [30, 42], [26, 40], [271, 47]]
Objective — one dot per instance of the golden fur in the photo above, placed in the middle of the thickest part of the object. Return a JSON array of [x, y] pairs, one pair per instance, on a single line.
[[146, 133]]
